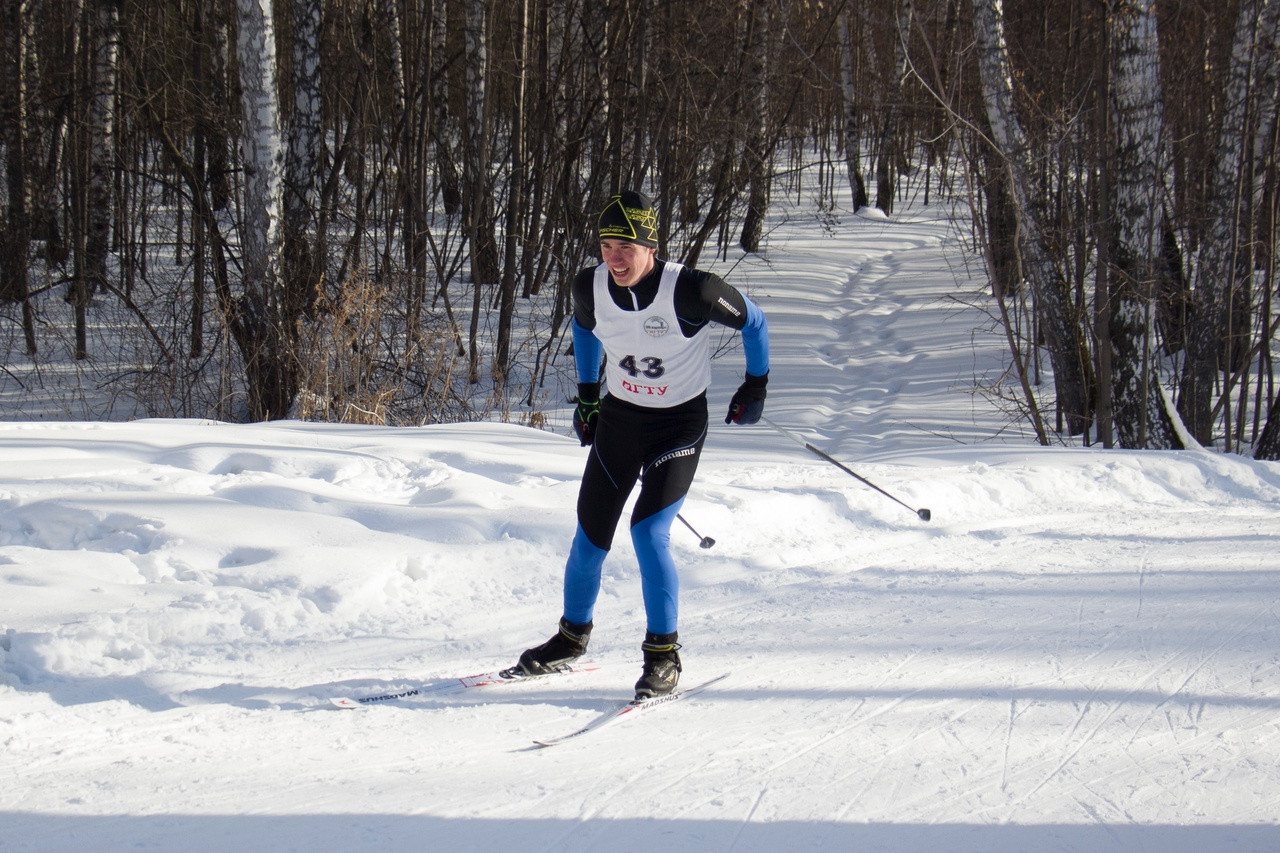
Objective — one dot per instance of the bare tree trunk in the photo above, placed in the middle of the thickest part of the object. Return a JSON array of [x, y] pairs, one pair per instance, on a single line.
[[1268, 446], [757, 148], [264, 332], [303, 244], [1004, 268], [851, 127], [890, 133], [446, 142], [199, 238], [1104, 200], [76, 146], [515, 201], [1222, 261], [412, 179], [1053, 305], [101, 154], [477, 191], [475, 171], [1139, 414], [15, 242]]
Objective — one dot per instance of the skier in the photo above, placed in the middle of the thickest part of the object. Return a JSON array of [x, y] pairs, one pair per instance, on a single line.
[[651, 319]]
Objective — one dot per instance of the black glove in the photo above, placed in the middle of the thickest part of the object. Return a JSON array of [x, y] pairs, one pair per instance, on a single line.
[[747, 404], [587, 412]]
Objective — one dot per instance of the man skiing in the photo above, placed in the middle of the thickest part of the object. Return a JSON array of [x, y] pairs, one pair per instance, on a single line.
[[651, 319]]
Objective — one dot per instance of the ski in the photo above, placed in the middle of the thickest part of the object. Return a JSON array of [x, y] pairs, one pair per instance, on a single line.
[[447, 686], [630, 709]]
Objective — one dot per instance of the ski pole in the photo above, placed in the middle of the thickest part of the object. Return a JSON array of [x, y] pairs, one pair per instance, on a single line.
[[706, 542], [923, 513]]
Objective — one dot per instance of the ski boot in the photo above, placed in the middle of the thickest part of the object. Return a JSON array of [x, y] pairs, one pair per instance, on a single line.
[[555, 655], [661, 666]]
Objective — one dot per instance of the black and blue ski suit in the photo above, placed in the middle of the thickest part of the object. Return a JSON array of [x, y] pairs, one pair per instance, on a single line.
[[653, 420]]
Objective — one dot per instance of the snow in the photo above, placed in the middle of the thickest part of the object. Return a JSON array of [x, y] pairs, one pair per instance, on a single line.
[[1079, 652]]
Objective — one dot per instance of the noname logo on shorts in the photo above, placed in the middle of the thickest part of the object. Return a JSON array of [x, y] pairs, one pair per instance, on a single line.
[[655, 327]]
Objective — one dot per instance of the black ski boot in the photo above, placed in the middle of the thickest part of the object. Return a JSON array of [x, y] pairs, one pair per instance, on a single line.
[[569, 644], [661, 666]]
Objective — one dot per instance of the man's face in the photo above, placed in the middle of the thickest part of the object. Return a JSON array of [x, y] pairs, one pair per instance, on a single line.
[[627, 262]]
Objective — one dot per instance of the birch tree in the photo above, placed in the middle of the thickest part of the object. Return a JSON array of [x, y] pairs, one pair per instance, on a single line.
[[94, 163], [258, 319], [1053, 306], [890, 148], [1263, 174], [476, 205], [303, 246], [851, 124], [1223, 262], [102, 117], [1138, 165]]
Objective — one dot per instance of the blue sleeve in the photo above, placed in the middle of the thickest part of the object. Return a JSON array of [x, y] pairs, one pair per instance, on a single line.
[[587, 351], [755, 340]]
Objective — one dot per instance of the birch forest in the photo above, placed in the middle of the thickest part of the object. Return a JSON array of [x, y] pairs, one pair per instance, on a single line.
[[371, 210]]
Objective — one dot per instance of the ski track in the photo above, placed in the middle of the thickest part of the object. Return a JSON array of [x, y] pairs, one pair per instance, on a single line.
[[1025, 784], [1075, 745], [746, 820]]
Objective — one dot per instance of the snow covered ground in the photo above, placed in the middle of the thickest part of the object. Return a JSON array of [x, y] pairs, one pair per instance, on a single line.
[[1081, 651]]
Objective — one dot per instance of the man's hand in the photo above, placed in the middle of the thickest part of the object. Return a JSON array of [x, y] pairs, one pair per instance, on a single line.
[[747, 404], [587, 412]]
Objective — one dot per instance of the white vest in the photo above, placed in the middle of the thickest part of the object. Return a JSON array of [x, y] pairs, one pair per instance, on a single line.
[[649, 362]]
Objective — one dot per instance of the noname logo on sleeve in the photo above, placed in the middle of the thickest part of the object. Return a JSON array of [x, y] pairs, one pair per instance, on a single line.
[[724, 303]]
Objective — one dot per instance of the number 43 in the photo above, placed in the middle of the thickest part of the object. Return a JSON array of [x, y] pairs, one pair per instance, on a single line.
[[652, 366]]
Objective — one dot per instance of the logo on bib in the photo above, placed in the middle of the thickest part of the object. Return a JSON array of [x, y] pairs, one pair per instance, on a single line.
[[655, 327]]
